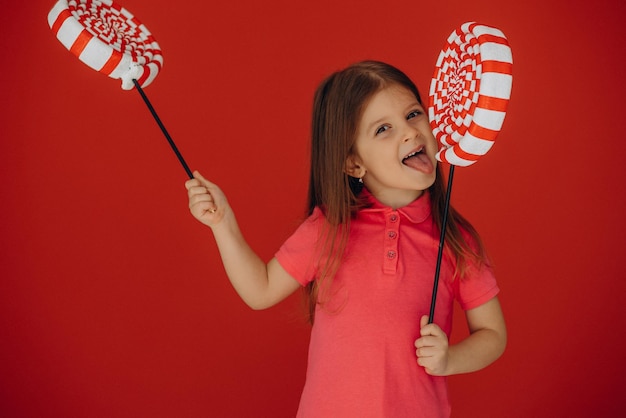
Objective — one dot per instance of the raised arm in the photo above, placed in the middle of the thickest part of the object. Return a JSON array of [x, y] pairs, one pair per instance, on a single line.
[[260, 285]]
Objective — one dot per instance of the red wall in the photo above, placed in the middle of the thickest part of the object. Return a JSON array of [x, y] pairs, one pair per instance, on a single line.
[[113, 301]]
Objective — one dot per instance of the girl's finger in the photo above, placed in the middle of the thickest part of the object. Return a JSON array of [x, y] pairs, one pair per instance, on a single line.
[[200, 198], [198, 176], [432, 329], [199, 190], [192, 183]]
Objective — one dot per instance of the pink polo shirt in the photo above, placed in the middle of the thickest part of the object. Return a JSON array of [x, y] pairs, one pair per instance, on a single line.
[[362, 360]]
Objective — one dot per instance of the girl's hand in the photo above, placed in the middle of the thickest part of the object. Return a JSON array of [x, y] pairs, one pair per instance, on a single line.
[[432, 348], [207, 202]]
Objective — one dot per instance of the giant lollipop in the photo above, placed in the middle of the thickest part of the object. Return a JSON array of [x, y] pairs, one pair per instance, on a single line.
[[109, 39], [469, 93]]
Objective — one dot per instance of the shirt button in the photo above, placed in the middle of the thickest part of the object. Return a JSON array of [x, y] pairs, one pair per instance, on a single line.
[[393, 218], [392, 234], [391, 255]]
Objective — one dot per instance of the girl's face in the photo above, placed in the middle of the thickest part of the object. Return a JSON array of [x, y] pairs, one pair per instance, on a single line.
[[394, 151]]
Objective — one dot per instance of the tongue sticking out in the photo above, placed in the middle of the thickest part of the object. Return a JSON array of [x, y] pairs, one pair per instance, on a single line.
[[420, 162]]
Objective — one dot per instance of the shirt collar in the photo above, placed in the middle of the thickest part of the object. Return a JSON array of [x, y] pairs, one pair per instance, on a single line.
[[417, 211]]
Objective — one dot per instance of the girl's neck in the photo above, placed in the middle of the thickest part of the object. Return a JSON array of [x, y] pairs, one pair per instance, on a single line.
[[396, 198]]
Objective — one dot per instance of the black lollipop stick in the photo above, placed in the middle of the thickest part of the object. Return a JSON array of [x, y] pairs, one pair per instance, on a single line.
[[444, 224], [167, 135]]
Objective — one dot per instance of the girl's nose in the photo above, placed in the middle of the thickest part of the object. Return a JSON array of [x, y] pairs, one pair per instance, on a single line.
[[410, 132]]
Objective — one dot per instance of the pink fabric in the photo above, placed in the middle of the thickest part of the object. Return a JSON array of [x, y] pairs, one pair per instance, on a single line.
[[362, 360]]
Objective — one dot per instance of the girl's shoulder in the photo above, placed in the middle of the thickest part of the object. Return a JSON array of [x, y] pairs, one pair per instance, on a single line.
[[312, 223], [316, 216]]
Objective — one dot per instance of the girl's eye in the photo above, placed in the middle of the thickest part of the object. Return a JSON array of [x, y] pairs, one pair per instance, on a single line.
[[413, 114], [381, 129]]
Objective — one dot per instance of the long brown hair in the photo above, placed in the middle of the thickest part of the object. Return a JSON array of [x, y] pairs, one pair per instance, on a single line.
[[337, 108]]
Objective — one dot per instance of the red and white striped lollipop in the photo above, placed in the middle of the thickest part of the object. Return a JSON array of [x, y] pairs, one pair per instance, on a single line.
[[469, 92], [108, 38]]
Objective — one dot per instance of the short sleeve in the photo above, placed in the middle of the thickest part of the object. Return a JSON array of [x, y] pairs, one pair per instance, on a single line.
[[299, 254], [477, 287]]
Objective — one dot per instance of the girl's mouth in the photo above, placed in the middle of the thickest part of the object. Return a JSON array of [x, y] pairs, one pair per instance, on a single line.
[[419, 160]]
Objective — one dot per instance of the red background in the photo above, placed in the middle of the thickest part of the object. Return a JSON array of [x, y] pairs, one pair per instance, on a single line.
[[113, 301]]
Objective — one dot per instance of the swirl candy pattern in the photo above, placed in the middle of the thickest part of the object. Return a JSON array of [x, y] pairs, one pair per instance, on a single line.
[[108, 38], [469, 92]]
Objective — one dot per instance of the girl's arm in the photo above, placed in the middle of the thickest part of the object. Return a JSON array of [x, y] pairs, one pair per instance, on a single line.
[[260, 285], [482, 347]]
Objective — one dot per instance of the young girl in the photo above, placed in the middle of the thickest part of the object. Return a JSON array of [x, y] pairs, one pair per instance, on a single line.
[[366, 256]]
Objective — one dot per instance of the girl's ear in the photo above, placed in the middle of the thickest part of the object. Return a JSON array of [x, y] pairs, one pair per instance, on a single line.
[[354, 168]]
